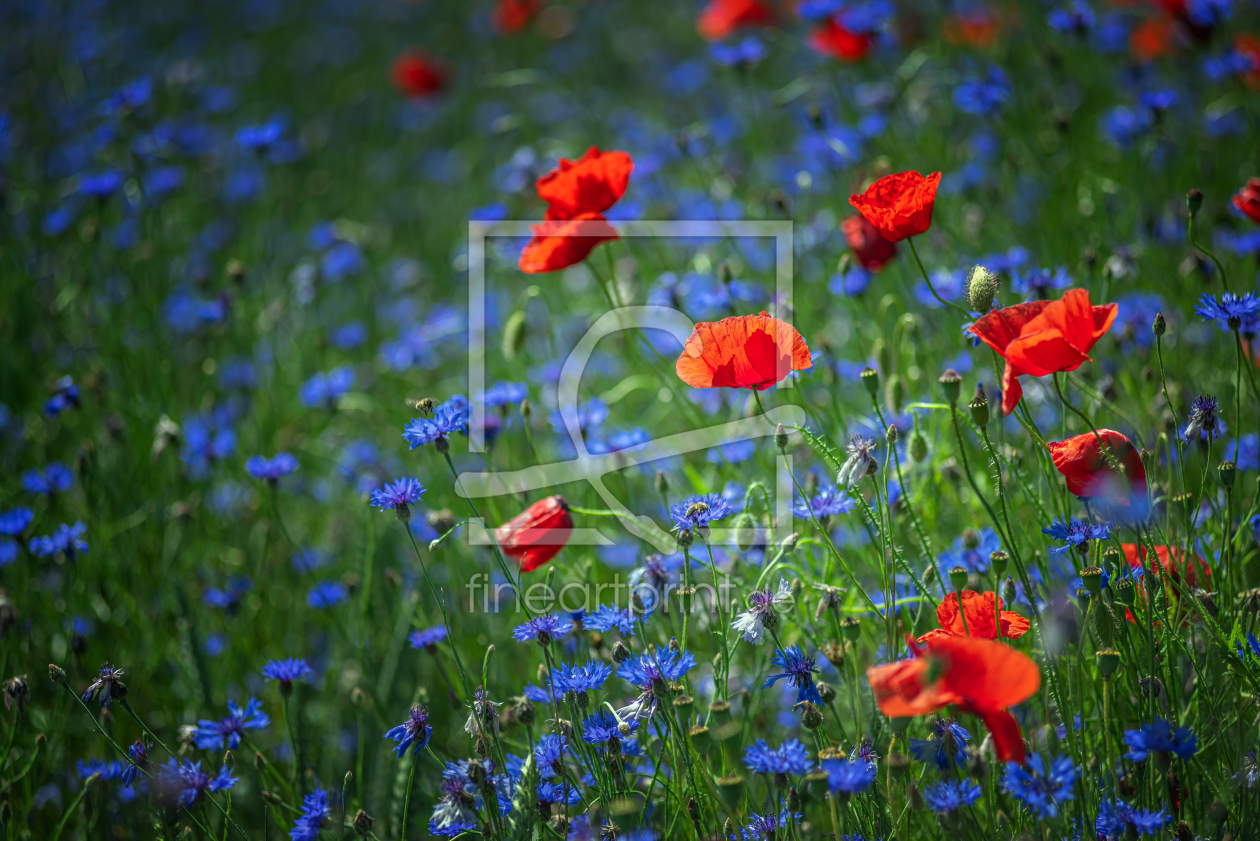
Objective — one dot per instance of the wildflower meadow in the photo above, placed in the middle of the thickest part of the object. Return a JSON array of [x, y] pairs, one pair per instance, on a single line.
[[559, 420]]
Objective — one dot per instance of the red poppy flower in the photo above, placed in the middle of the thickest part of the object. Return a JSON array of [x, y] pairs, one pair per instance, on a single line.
[[722, 17], [560, 243], [832, 39], [1151, 39], [1248, 200], [979, 676], [746, 351], [975, 29], [415, 74], [872, 250], [1089, 474], [591, 184], [1176, 567], [979, 609], [537, 534], [513, 15], [1249, 45], [899, 205], [1042, 338]]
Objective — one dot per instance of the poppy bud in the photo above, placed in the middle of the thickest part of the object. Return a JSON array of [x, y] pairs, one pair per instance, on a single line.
[[981, 289], [851, 627], [1108, 662], [958, 578], [780, 437], [526, 409], [1008, 590], [434, 545], [870, 379], [895, 393], [997, 560], [1092, 578], [745, 531], [1104, 622], [1194, 201], [979, 411], [1226, 471], [789, 543], [1160, 326], [890, 435], [662, 483], [724, 273], [619, 652], [514, 335], [1124, 591], [951, 385], [918, 448]]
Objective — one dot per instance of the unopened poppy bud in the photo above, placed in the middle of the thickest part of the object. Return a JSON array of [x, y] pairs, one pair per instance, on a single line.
[[745, 531], [1104, 622], [979, 411], [958, 578], [997, 560], [870, 379], [1108, 661], [526, 409], [724, 273], [788, 543], [434, 545], [1194, 200], [895, 393], [1124, 591], [951, 385], [918, 448], [780, 438], [851, 627], [662, 483], [890, 434], [1226, 471], [1008, 590], [981, 289], [1091, 577], [56, 674], [1160, 326], [619, 652]]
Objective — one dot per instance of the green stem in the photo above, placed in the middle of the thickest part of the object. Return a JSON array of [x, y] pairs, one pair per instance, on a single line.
[[928, 280]]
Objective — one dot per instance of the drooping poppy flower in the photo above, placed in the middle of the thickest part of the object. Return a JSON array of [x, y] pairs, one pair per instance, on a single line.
[[745, 351], [1088, 473], [1151, 39], [980, 610], [899, 205], [978, 676], [1042, 338], [872, 250], [834, 40], [591, 184], [537, 534], [558, 244], [973, 29], [722, 17], [417, 75], [514, 15], [1248, 200]]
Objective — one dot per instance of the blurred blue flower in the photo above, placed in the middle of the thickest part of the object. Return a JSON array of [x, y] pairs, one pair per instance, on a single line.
[[984, 95], [951, 795], [1042, 789], [186, 783], [327, 594], [228, 732], [790, 758]]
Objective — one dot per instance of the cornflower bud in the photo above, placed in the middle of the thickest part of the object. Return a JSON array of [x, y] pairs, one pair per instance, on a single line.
[[1194, 201], [1160, 326], [56, 674], [890, 435], [619, 652], [662, 483], [362, 823]]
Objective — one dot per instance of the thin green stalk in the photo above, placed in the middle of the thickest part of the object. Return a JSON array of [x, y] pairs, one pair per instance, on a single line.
[[928, 280]]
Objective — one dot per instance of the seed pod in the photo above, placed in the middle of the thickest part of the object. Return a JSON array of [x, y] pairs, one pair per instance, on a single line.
[[870, 380], [951, 386], [1108, 661], [979, 411], [731, 791], [1091, 576], [1124, 591], [997, 560]]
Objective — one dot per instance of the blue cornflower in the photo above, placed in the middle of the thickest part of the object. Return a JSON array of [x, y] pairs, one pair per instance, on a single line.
[[536, 694], [983, 95], [15, 521], [1076, 18], [606, 617], [649, 672], [971, 550], [54, 479], [66, 540], [287, 671], [100, 185], [797, 668], [505, 394], [139, 753], [751, 624], [829, 501], [1229, 311], [697, 512], [1209, 13], [271, 469], [1160, 738], [1246, 456], [327, 594], [230, 596], [790, 759], [1253, 644], [590, 414], [550, 751], [1037, 282], [111, 770], [848, 777], [650, 581], [1118, 820], [186, 783], [322, 390], [448, 418], [1204, 420], [212, 735], [1077, 534], [603, 728], [945, 797], [743, 53], [399, 495], [542, 629], [1122, 125], [559, 793], [950, 738], [581, 679], [1040, 788], [427, 638], [66, 396], [768, 826], [254, 138], [107, 685], [315, 810], [9, 551], [413, 733]]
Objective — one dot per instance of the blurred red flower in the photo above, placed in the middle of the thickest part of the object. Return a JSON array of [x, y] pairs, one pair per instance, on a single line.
[[577, 193], [979, 676], [537, 534], [1248, 200], [973, 29], [832, 39], [1088, 473], [1249, 45], [1151, 39], [722, 17], [1172, 559], [979, 608], [899, 205], [1042, 338], [746, 351], [513, 15], [417, 75], [872, 250]]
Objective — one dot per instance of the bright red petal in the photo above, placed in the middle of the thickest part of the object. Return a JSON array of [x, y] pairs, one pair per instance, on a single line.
[[559, 244], [748, 351], [591, 184]]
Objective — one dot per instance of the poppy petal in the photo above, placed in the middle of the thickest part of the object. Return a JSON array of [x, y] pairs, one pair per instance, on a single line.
[[537, 534], [591, 184], [559, 244], [748, 351], [1008, 739]]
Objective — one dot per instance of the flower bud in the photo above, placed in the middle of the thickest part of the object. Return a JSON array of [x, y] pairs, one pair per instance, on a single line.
[[1008, 590], [951, 385], [895, 393], [789, 543], [981, 288], [890, 434], [811, 716], [1108, 661], [526, 409], [1104, 622], [780, 437], [918, 448], [870, 379], [56, 674], [745, 531], [662, 483], [826, 691], [1160, 326], [979, 411], [362, 823], [834, 652], [684, 538], [1194, 201], [620, 653]]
